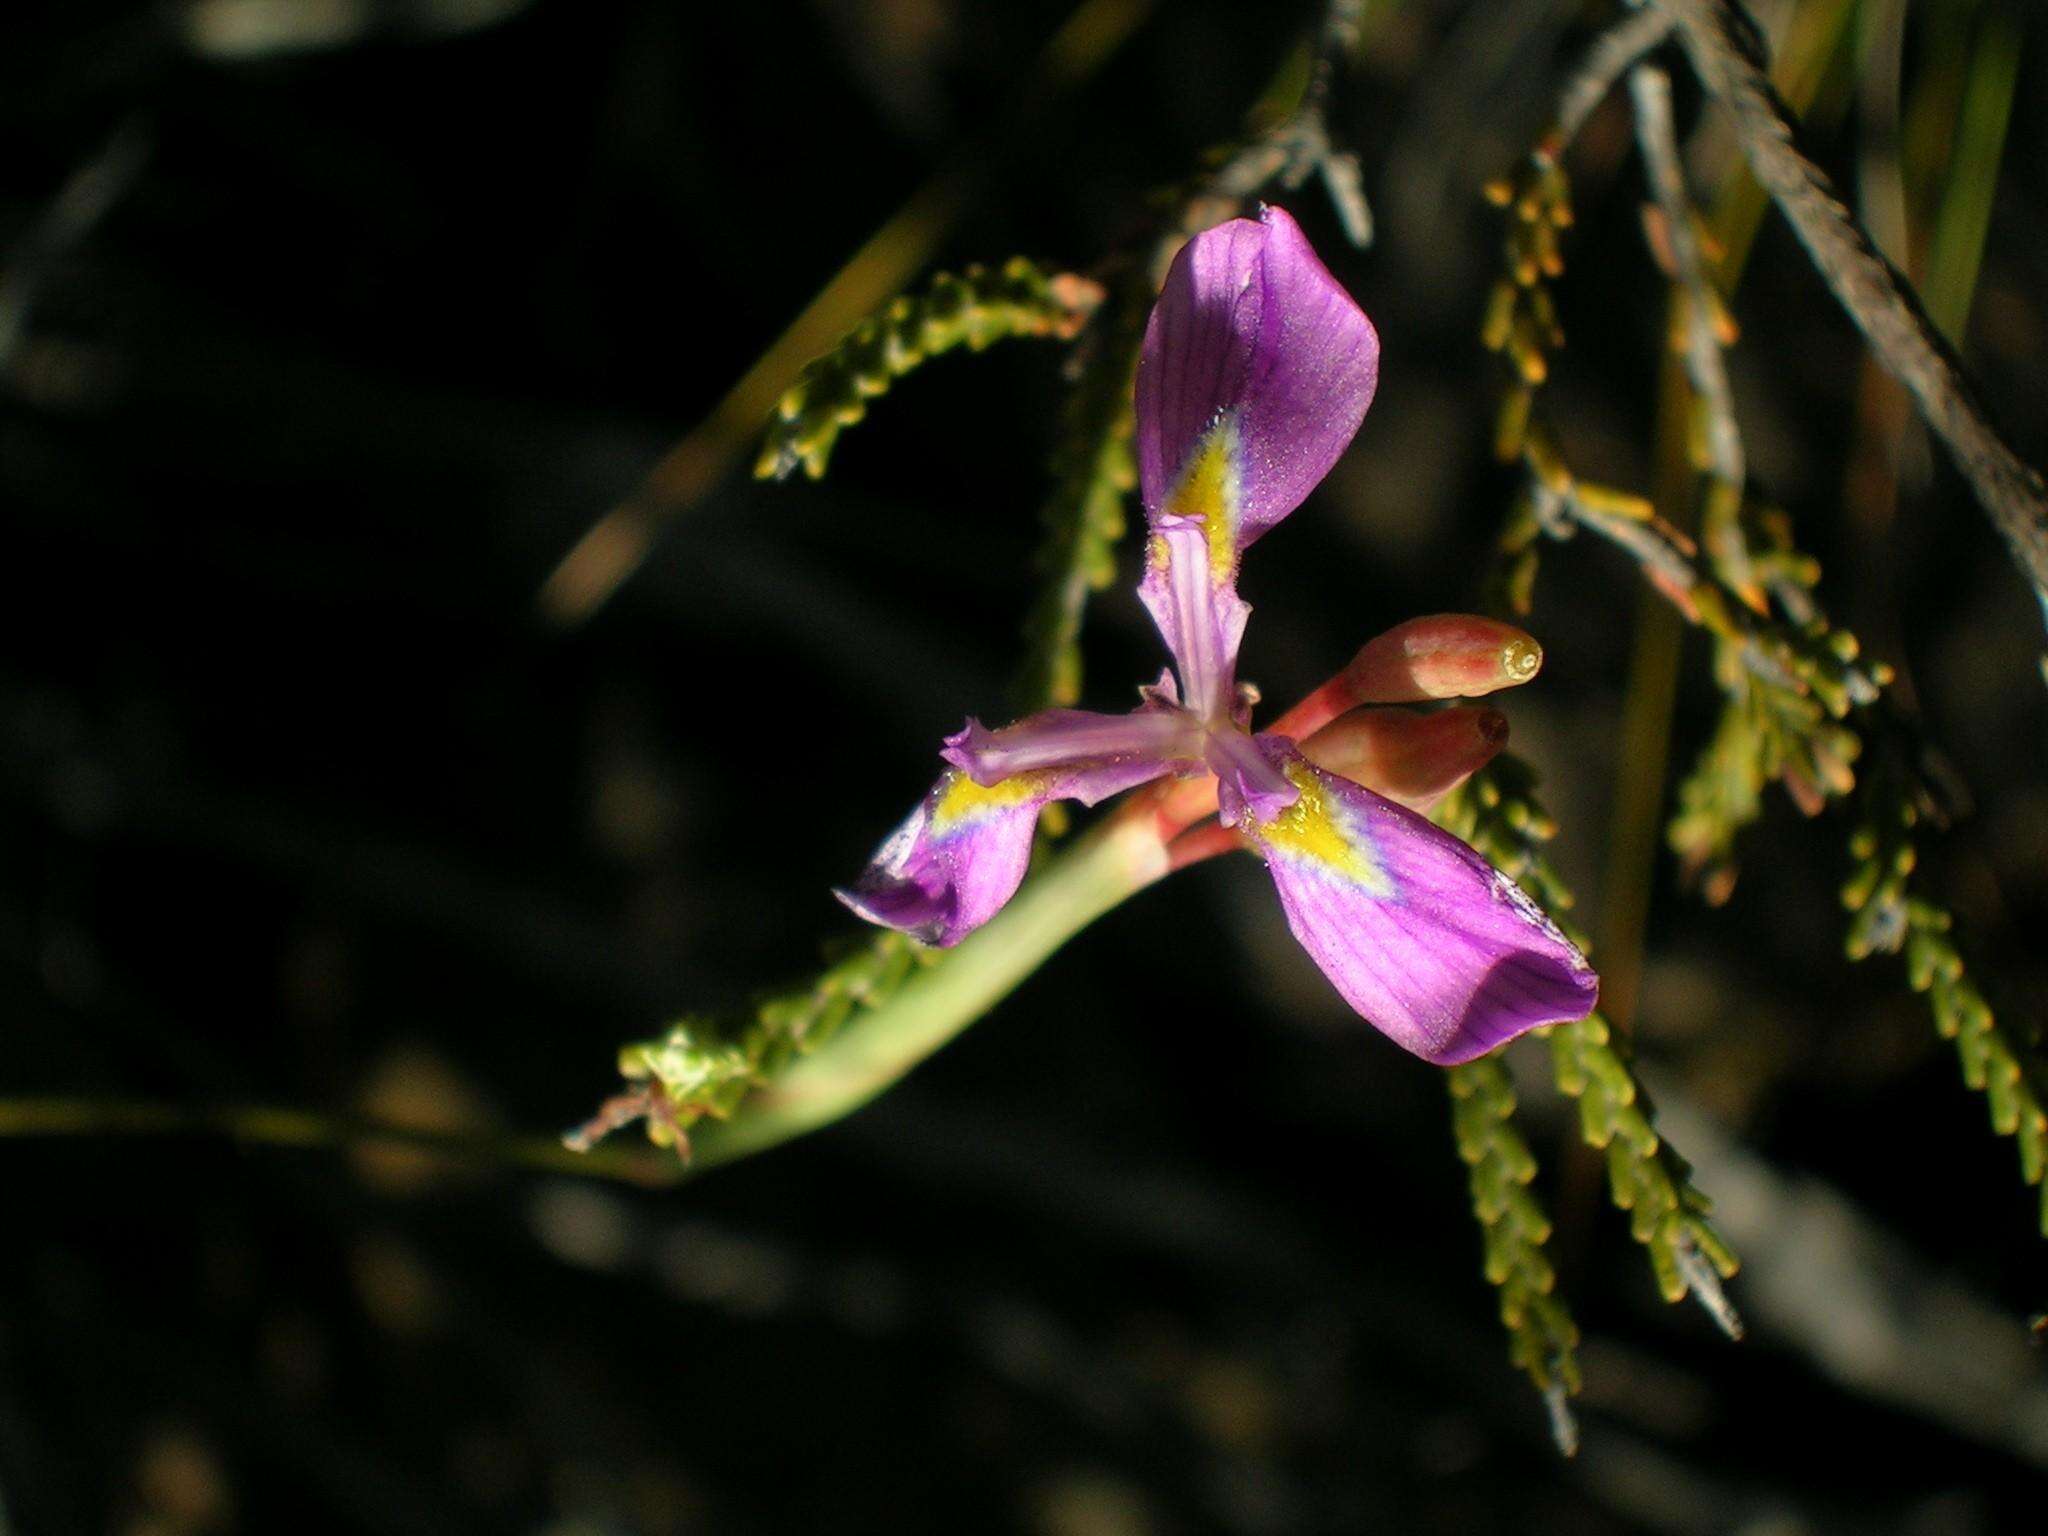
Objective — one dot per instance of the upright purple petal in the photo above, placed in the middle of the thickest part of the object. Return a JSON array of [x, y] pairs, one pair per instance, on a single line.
[[1429, 942], [962, 853], [1256, 371]]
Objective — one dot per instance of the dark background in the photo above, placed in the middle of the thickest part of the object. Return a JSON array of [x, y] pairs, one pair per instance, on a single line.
[[303, 803]]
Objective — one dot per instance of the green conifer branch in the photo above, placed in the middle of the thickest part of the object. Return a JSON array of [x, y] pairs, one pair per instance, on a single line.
[[2001, 1059], [1646, 1176], [1800, 706], [1780, 724], [1799, 710], [1497, 812], [1721, 795], [975, 307], [702, 1068], [1542, 1338], [1790, 678], [1792, 682], [1093, 471]]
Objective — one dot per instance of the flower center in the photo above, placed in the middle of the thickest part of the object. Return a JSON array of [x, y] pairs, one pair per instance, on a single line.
[[1248, 786]]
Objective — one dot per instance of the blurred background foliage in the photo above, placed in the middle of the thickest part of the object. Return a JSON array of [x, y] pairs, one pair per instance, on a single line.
[[328, 328]]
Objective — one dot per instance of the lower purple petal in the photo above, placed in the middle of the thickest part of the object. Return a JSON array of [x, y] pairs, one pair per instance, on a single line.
[[1426, 940], [939, 876], [962, 853]]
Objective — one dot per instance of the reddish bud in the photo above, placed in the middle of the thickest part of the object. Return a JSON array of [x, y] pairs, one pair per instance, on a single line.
[[1445, 656], [1412, 758]]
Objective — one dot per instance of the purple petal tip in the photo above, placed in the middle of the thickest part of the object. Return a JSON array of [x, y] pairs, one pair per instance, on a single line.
[[903, 905], [1251, 326]]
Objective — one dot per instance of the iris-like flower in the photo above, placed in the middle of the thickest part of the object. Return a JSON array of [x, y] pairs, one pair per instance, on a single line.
[[1256, 371]]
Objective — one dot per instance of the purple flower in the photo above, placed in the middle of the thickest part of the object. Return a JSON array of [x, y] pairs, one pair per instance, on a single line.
[[1256, 371]]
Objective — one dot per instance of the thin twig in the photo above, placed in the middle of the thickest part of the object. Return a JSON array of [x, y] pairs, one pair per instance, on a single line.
[[1671, 564], [1342, 22], [1605, 62], [1650, 89], [283, 1127], [1659, 549], [86, 198], [1696, 431], [1299, 146], [1721, 43]]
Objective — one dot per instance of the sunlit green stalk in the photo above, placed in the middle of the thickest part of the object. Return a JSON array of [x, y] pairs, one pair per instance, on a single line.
[[1117, 859]]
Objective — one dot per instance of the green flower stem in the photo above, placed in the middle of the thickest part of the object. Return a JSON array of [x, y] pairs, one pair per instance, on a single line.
[[1116, 860]]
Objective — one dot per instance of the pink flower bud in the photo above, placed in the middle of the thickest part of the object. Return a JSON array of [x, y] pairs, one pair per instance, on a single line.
[[1410, 757], [1445, 656]]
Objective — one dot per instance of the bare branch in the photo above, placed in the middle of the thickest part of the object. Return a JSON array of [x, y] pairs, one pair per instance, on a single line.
[[1650, 89], [1619, 47], [1721, 42], [84, 200], [1297, 147]]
